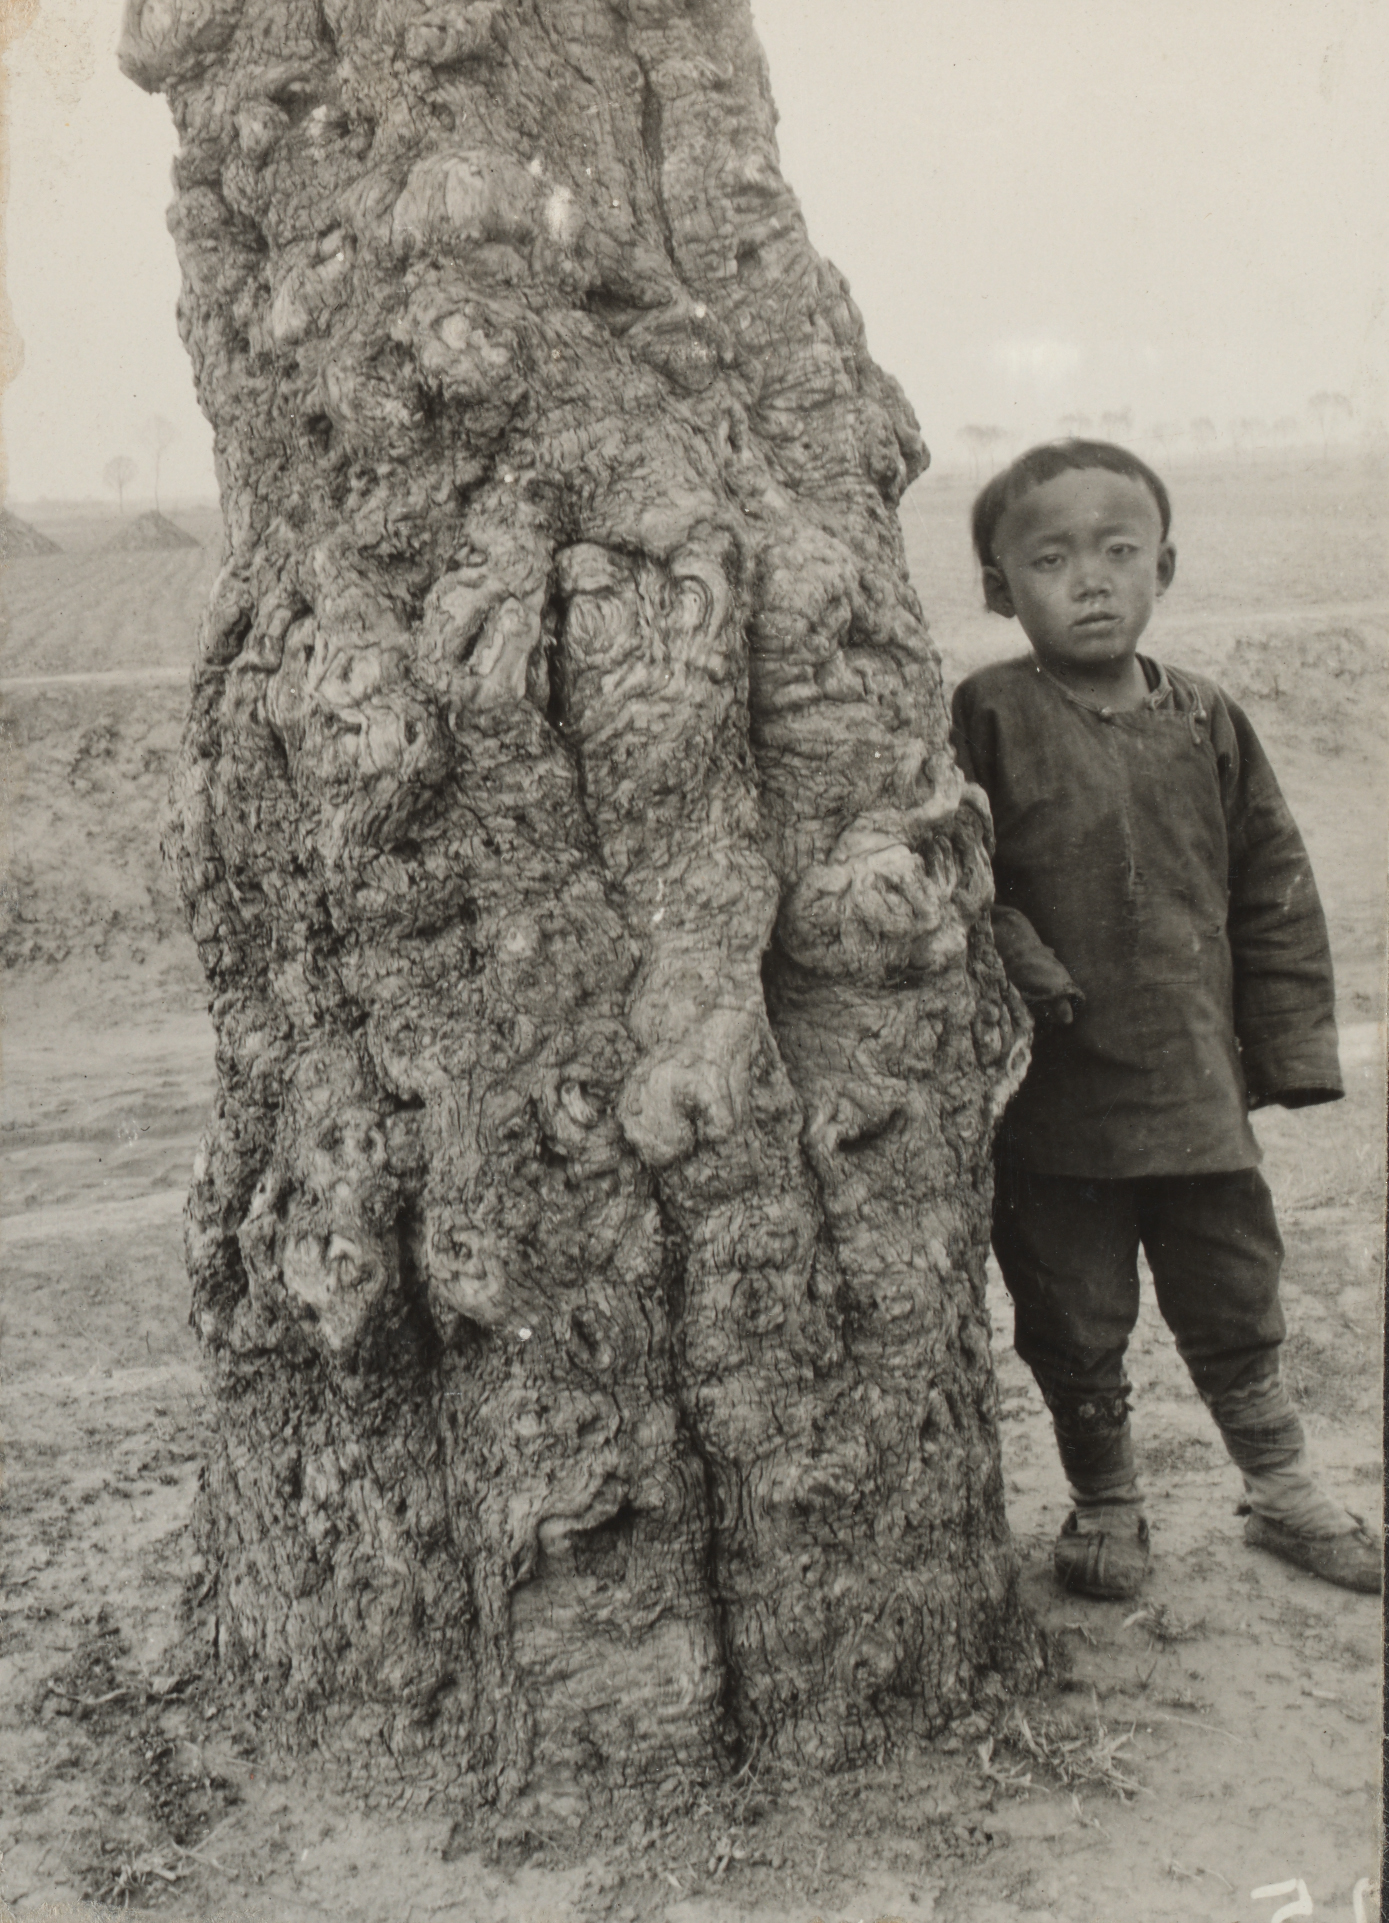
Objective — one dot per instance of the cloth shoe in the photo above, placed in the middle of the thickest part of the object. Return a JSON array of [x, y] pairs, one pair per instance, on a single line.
[[1103, 1551], [1352, 1559]]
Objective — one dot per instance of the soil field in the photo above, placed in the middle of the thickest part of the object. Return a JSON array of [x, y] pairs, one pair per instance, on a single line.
[[1209, 1754]]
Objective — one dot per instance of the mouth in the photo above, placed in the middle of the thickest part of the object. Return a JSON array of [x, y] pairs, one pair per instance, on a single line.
[[1096, 621]]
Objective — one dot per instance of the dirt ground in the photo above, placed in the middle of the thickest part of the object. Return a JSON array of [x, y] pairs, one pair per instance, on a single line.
[[1208, 1754]]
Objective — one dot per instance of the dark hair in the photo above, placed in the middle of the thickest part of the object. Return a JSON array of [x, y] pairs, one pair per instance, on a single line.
[[1044, 463]]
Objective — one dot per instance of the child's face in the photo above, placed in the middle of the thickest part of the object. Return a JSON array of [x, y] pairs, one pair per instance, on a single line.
[[1081, 562]]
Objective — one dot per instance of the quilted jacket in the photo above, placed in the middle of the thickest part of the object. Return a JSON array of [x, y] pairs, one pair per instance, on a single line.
[[1147, 867]]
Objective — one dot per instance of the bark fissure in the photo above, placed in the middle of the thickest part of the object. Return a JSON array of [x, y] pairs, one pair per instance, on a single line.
[[655, 154]]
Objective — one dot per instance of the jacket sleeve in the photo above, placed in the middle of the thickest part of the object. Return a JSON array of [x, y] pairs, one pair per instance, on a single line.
[[1285, 994], [1032, 967]]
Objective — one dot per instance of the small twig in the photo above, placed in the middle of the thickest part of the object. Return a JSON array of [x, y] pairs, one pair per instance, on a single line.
[[1174, 1868], [211, 1862], [1088, 1822], [184, 1849], [89, 1702], [1185, 1722]]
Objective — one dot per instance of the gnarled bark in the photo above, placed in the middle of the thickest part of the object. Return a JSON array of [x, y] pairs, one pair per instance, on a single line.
[[588, 1245]]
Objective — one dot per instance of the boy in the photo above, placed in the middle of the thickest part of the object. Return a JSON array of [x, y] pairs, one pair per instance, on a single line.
[[1156, 910]]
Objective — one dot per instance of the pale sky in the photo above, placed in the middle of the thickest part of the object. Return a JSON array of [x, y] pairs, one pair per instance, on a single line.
[[1044, 207]]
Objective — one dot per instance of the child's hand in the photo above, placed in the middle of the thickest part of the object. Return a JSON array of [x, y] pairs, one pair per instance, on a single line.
[[1057, 1011], [1040, 977]]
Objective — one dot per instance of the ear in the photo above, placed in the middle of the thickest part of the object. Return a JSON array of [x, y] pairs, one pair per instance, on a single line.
[[1166, 566], [997, 599]]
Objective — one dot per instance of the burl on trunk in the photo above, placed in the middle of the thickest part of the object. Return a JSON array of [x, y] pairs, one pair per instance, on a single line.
[[587, 1248]]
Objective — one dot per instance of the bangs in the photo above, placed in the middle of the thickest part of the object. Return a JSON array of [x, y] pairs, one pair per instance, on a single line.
[[1044, 463]]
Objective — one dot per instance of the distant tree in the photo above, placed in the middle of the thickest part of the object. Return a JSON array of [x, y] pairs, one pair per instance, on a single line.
[[1120, 421], [979, 440], [119, 473], [1286, 427], [1167, 434], [158, 435], [1204, 432], [1074, 423], [1328, 408], [1246, 431]]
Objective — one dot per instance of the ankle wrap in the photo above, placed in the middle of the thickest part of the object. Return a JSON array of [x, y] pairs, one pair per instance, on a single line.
[[1260, 1426]]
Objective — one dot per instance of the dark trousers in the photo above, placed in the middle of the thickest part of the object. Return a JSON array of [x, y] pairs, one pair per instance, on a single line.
[[1068, 1248]]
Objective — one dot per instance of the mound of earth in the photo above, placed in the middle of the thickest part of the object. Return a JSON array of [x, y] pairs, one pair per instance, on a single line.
[[17, 538], [152, 530]]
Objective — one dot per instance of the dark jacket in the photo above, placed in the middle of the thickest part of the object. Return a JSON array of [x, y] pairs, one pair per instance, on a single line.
[[1147, 865]]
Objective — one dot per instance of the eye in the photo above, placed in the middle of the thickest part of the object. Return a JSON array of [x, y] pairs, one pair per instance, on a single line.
[[1047, 561], [1123, 549]]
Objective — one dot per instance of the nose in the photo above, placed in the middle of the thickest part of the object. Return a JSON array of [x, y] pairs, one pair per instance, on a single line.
[[1090, 578]]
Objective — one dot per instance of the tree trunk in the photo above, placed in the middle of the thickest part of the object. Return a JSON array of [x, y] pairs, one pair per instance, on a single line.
[[587, 1249]]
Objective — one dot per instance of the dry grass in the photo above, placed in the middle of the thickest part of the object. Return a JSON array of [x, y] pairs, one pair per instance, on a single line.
[[1164, 1627], [133, 1881], [1076, 1755]]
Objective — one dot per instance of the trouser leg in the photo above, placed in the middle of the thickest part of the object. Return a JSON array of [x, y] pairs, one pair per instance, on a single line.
[[1068, 1250], [1216, 1256], [1099, 1463]]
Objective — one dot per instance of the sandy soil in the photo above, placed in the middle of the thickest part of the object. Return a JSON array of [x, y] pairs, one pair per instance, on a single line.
[[1218, 1740]]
